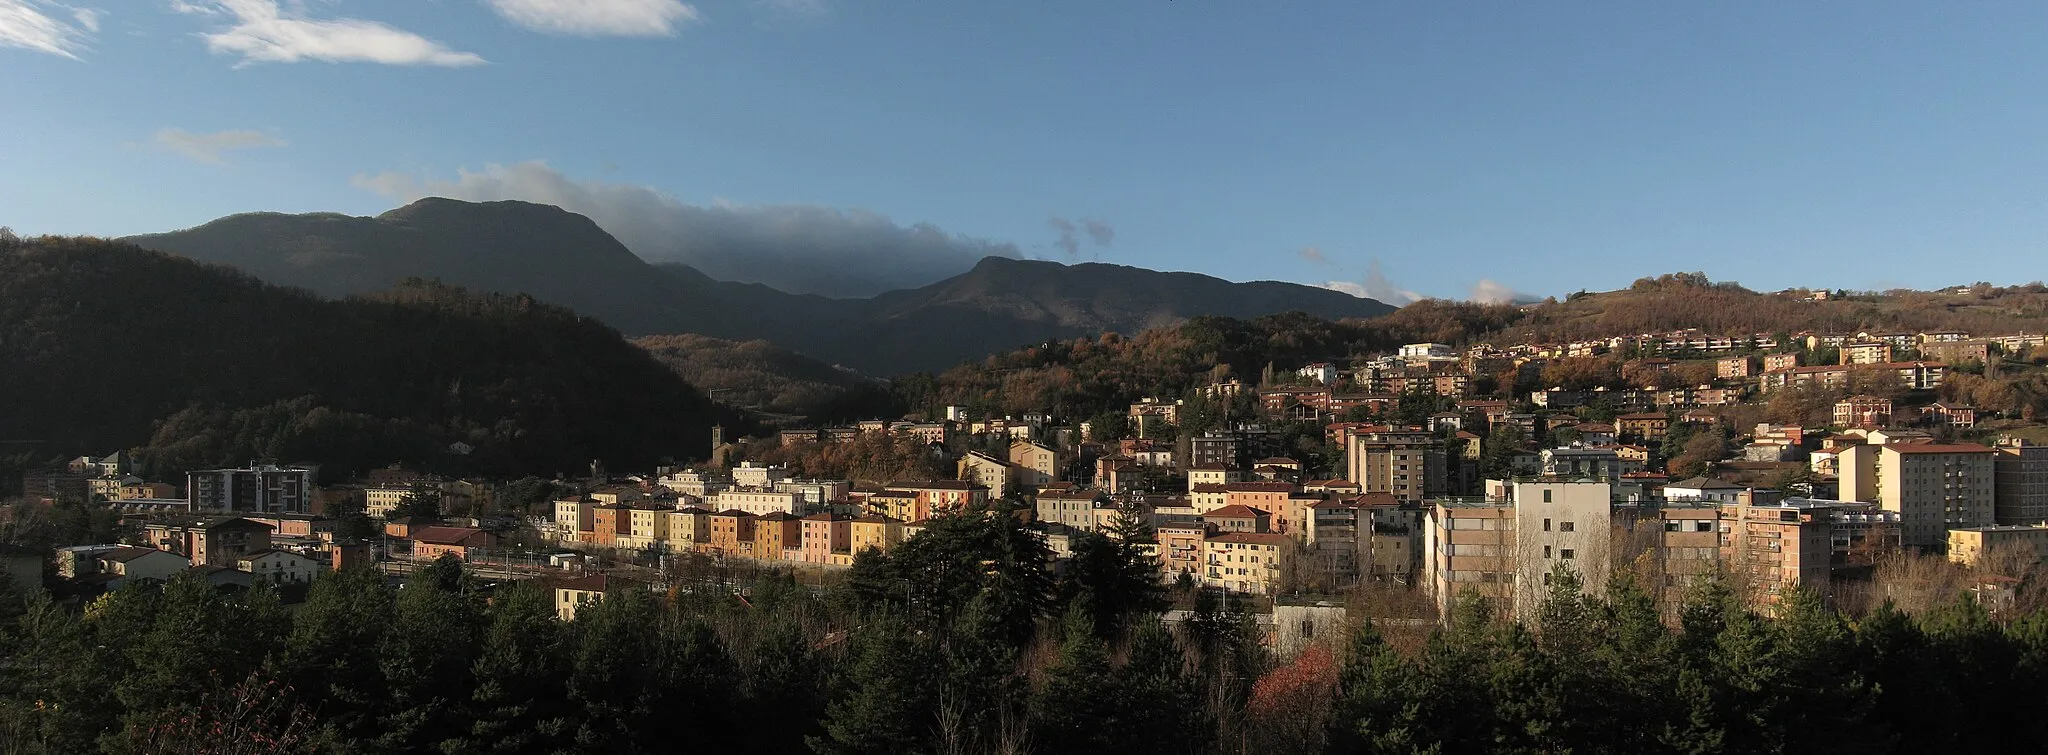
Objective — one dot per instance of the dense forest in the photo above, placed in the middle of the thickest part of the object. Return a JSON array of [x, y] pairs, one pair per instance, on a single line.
[[762, 377], [964, 641], [105, 347]]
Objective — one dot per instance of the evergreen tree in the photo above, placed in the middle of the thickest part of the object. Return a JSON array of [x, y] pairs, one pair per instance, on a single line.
[[517, 705], [884, 702], [1077, 710], [331, 657]]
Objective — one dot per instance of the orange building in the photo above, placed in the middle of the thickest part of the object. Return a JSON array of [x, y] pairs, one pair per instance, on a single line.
[[607, 522], [776, 531], [732, 533], [429, 543]]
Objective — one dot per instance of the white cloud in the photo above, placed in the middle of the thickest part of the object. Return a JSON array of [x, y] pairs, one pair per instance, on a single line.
[[22, 25], [597, 18], [1488, 291], [212, 148], [1313, 256], [797, 248], [88, 19], [1375, 285], [264, 33]]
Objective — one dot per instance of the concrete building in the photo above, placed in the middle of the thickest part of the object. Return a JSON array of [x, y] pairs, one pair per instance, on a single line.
[[1773, 549], [986, 471], [875, 531], [1586, 462], [2021, 470], [1504, 546], [280, 567], [1410, 465], [220, 540], [1933, 487], [828, 538], [755, 501], [1863, 411], [1034, 466], [258, 489], [751, 475], [1247, 562], [2024, 543]]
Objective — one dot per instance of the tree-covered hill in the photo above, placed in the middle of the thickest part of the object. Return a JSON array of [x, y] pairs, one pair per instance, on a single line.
[[106, 346]]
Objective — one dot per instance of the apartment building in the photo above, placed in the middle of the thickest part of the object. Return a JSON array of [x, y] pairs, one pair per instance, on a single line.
[[1408, 464], [1933, 487], [2021, 472], [1504, 546], [1033, 465], [986, 471], [257, 489], [756, 501], [1863, 410], [1247, 562], [1776, 548], [2026, 543]]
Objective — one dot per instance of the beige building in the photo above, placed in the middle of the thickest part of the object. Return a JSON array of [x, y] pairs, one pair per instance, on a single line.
[[1774, 549], [1933, 487], [2021, 469], [1035, 465], [1408, 465], [2028, 543], [1505, 545], [1247, 562], [756, 502], [986, 471]]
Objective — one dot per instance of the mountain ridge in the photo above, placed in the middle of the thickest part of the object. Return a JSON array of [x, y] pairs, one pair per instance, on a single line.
[[564, 258]]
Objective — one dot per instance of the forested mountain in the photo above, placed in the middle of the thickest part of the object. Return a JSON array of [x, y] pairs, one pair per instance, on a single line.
[[562, 258], [769, 379], [105, 346]]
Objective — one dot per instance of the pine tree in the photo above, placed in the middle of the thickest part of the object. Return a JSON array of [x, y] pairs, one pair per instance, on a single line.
[[330, 656], [884, 701], [1077, 710], [517, 706]]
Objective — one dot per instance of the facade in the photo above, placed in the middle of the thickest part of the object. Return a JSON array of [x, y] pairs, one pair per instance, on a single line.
[[828, 538], [1410, 465], [776, 532], [1247, 562], [220, 540], [732, 533], [1593, 463], [280, 567], [2027, 544], [1773, 362], [1643, 425], [430, 543], [1933, 487], [875, 531], [1866, 352], [1863, 411], [1035, 466], [2021, 469], [1073, 508], [755, 501], [1776, 548], [986, 471], [261, 489], [1239, 518], [576, 593], [1504, 546]]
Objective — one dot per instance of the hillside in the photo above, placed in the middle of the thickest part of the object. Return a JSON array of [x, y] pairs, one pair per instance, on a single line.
[[564, 259], [766, 378], [106, 346], [1690, 300]]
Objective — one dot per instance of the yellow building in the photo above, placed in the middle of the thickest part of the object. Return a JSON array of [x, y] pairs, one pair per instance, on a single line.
[[876, 531], [2023, 543], [1248, 562]]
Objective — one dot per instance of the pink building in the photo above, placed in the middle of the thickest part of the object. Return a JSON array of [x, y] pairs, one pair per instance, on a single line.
[[826, 534]]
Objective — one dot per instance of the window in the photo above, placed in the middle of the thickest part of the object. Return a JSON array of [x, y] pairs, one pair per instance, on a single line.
[[1565, 553], [1546, 578], [1546, 551], [1670, 526], [1308, 628], [1546, 525], [1546, 496], [1565, 527], [1703, 526]]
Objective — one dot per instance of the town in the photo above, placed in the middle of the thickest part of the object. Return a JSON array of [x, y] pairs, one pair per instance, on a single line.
[[1417, 482]]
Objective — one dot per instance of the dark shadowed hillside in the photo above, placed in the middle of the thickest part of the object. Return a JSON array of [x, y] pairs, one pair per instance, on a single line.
[[763, 377], [105, 346]]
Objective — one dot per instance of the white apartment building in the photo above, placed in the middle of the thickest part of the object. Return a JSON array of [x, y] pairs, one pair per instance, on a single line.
[[1933, 487]]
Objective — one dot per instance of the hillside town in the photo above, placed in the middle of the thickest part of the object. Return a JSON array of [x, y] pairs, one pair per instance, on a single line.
[[1389, 472]]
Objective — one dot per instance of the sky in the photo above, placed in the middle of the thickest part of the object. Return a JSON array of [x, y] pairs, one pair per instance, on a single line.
[[1398, 149]]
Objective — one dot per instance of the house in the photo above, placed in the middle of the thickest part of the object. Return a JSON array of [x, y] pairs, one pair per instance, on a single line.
[[1594, 433], [1643, 425], [1239, 518], [219, 540], [1735, 368], [1073, 508], [573, 594], [429, 543], [1776, 362], [1952, 415], [1863, 410], [280, 567], [1700, 417], [130, 562], [732, 533]]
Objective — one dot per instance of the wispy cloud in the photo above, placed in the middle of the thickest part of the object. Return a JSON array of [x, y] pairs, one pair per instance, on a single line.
[[808, 249], [1099, 233], [598, 18], [213, 147], [1313, 256], [24, 25], [264, 33], [1375, 286]]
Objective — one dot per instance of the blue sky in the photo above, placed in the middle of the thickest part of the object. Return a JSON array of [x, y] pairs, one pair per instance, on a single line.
[[1543, 147]]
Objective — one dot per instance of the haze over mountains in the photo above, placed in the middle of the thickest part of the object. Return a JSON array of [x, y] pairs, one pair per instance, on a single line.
[[566, 259]]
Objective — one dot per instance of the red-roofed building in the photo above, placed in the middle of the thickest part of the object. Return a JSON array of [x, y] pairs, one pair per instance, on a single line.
[[1247, 562], [428, 543], [1240, 518]]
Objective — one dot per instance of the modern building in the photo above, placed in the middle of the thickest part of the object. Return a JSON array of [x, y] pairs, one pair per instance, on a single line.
[[2021, 470], [220, 540], [1505, 546], [257, 489], [1408, 464], [1247, 562], [2027, 544], [1933, 487]]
